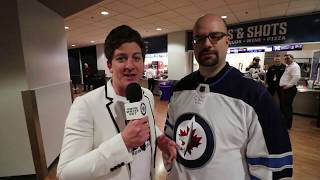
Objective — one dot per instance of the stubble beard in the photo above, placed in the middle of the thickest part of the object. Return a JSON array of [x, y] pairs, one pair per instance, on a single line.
[[209, 62]]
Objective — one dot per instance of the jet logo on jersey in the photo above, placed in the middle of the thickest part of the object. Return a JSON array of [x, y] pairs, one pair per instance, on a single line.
[[189, 139], [195, 139]]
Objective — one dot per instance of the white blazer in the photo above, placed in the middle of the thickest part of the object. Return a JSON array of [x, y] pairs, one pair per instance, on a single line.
[[93, 147]]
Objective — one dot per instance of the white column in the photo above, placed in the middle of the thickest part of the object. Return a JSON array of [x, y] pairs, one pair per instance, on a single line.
[[178, 62]]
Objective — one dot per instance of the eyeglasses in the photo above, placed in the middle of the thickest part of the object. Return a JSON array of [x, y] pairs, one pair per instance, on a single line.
[[212, 36]]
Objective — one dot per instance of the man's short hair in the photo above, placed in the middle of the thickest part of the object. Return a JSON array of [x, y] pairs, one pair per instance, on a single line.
[[290, 55], [120, 35], [256, 58]]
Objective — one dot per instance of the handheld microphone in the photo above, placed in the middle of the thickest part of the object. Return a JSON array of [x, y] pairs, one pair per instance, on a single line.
[[136, 109]]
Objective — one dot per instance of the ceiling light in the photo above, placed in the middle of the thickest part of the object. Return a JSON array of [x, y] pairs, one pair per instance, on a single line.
[[159, 29], [92, 41], [66, 27], [104, 13], [73, 45], [224, 17]]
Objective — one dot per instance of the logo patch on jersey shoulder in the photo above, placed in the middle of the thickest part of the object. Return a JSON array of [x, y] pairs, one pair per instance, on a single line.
[[195, 139]]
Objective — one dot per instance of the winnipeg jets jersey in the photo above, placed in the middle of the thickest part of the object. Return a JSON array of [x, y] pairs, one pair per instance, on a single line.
[[226, 128]]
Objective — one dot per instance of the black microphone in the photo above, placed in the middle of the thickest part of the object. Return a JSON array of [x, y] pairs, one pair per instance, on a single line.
[[133, 92], [136, 109]]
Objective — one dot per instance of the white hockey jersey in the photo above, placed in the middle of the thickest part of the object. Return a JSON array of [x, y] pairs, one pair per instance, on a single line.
[[227, 128]]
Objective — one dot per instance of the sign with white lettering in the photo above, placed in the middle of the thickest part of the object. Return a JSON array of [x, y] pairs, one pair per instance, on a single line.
[[262, 34], [288, 30]]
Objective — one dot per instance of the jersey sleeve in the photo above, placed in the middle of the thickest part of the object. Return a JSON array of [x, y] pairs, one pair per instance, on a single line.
[[269, 154]]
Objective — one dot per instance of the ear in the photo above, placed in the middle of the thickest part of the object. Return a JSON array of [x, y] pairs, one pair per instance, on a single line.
[[109, 65], [228, 40]]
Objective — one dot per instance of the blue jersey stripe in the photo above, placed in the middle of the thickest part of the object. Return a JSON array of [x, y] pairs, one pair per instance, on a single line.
[[271, 162]]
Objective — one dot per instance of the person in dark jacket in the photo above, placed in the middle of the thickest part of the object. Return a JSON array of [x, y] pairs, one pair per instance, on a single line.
[[86, 77], [274, 74]]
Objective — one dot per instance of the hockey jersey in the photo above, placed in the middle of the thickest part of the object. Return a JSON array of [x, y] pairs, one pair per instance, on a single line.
[[226, 127]]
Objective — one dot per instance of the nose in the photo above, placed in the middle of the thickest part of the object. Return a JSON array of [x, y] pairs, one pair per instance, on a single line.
[[207, 42], [130, 64]]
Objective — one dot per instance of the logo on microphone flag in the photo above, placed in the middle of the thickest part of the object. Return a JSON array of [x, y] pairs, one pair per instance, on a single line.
[[143, 109]]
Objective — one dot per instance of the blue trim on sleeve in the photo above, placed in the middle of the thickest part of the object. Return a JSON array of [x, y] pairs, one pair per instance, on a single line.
[[271, 162]]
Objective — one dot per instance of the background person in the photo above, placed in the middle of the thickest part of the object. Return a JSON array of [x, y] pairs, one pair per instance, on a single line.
[[150, 74], [98, 142], [254, 64], [288, 83], [274, 74], [254, 70], [225, 126], [86, 77]]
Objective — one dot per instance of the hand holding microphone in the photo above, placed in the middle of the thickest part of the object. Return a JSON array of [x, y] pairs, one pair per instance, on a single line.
[[137, 131]]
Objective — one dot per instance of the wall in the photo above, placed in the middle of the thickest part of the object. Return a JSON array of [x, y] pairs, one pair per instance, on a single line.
[[311, 46], [34, 53], [43, 39], [102, 60], [178, 62], [15, 151]]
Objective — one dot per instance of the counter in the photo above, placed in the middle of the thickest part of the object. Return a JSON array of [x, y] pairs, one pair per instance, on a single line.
[[307, 103]]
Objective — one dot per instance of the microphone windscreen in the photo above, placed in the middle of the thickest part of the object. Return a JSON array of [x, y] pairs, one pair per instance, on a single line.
[[133, 92]]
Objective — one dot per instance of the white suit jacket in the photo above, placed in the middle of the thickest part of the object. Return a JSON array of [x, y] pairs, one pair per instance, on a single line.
[[93, 147]]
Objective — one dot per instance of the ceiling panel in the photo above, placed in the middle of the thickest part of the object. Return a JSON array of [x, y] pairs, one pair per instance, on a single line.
[[235, 1], [139, 3], [304, 9], [172, 4], [303, 3], [248, 15], [155, 8], [168, 15], [172, 15], [219, 11], [252, 4], [205, 5], [263, 3], [187, 10], [136, 13], [275, 7], [118, 6]]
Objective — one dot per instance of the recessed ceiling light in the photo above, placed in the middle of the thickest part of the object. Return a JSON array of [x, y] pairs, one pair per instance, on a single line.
[[92, 41], [73, 45], [66, 27], [104, 13], [159, 29], [224, 17]]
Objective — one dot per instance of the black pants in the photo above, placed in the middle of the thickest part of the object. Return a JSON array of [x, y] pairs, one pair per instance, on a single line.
[[286, 100], [151, 84], [86, 84]]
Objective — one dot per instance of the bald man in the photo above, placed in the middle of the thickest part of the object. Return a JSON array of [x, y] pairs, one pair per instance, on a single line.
[[226, 126]]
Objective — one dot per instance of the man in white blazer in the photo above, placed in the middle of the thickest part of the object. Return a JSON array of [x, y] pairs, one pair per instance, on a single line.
[[98, 141]]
